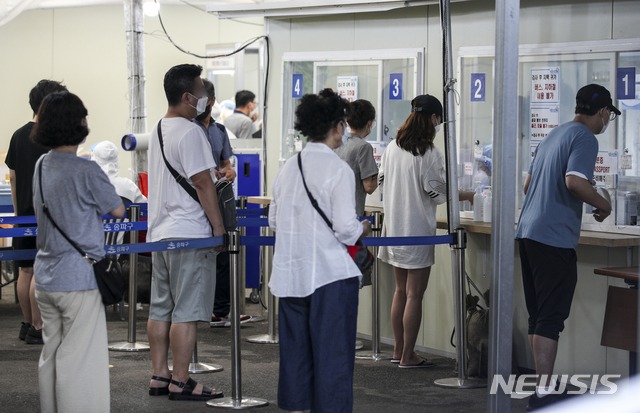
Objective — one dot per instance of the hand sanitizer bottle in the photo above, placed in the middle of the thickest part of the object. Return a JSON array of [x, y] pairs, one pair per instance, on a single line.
[[486, 207], [478, 201]]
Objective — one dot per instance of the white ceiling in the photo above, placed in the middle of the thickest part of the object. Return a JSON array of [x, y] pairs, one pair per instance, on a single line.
[[9, 9]]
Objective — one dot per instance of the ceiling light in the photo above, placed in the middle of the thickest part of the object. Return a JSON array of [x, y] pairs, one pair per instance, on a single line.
[[151, 8]]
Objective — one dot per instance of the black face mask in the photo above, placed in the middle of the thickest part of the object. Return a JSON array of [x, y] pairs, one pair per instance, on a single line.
[[204, 115]]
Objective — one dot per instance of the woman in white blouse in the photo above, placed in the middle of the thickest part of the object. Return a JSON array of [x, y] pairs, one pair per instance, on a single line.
[[412, 179], [313, 274]]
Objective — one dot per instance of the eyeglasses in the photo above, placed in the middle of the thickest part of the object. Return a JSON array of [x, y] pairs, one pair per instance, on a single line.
[[612, 116]]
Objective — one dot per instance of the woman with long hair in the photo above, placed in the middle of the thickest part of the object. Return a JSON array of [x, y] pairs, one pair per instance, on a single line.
[[412, 179]]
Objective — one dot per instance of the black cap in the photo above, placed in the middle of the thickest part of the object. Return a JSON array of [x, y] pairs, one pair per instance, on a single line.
[[426, 104], [595, 97]]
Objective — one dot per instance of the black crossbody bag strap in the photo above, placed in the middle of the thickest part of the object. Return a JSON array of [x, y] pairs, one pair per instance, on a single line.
[[313, 200], [179, 178], [48, 214]]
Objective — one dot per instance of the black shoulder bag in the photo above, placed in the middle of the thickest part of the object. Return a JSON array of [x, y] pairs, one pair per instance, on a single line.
[[108, 273], [360, 254], [224, 190]]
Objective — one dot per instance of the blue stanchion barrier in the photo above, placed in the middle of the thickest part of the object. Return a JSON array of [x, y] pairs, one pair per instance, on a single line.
[[257, 241], [18, 220], [251, 212], [108, 227], [128, 248], [253, 222], [395, 241], [32, 219], [214, 241]]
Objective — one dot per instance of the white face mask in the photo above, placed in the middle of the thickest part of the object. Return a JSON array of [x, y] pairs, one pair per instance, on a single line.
[[604, 126], [254, 112], [345, 134], [201, 106], [437, 128]]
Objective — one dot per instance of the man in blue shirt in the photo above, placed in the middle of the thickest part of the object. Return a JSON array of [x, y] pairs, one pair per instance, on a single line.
[[222, 153], [558, 182]]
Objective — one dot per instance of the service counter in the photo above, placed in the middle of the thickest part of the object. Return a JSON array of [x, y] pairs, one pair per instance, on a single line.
[[579, 348]]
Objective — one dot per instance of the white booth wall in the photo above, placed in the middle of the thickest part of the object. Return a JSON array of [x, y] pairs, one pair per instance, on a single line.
[[85, 47], [473, 24]]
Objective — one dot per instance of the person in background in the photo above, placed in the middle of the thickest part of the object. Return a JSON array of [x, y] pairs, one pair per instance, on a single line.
[[105, 154], [74, 363], [358, 153], [245, 113], [313, 274], [412, 179], [558, 182], [221, 148], [182, 286], [21, 159]]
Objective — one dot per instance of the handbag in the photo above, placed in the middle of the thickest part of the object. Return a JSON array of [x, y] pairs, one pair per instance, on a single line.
[[107, 271], [224, 190], [359, 253]]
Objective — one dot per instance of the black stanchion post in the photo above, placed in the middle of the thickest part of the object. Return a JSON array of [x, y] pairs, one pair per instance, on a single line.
[[272, 336], [236, 401], [375, 354], [131, 344]]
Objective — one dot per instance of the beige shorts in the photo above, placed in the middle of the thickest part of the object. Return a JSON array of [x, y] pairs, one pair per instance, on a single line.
[[183, 285]]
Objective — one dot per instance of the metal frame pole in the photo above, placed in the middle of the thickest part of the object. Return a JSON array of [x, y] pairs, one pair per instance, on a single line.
[[236, 401], [272, 335], [134, 28], [375, 354], [453, 210], [131, 345], [242, 204], [505, 129]]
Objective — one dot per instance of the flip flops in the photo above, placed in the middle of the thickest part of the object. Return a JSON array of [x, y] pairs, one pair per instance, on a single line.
[[395, 361], [159, 391], [424, 363], [187, 392]]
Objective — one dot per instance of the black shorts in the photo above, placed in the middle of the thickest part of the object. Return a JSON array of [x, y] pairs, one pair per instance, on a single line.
[[549, 277], [24, 243]]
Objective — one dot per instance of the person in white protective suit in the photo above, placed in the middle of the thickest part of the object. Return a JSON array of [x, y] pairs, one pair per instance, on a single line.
[[105, 154]]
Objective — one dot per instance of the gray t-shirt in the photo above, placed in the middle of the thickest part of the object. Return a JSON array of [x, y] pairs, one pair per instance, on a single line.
[[240, 124], [77, 193], [358, 153]]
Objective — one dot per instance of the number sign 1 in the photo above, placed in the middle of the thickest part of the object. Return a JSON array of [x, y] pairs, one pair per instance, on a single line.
[[395, 86], [477, 87], [296, 88], [626, 83]]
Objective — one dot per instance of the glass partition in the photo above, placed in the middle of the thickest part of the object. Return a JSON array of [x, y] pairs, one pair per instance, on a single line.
[[549, 78], [389, 79]]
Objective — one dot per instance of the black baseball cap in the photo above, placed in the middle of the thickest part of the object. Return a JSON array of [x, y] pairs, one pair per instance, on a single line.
[[427, 104], [595, 97]]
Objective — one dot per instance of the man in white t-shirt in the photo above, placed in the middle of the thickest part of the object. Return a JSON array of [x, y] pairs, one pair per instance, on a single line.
[[182, 284]]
